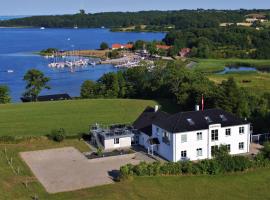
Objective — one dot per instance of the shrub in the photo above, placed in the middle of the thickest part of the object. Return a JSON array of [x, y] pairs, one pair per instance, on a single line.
[[99, 152], [58, 135], [186, 167]]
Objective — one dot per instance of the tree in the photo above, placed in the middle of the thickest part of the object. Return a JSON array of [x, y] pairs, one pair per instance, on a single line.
[[88, 89], [104, 46], [36, 81], [4, 94]]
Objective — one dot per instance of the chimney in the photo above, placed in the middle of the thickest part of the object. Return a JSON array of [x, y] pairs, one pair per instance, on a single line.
[[197, 108], [156, 108]]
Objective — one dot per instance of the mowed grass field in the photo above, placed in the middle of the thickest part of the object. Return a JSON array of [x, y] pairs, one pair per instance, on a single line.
[[251, 185], [256, 82], [35, 119]]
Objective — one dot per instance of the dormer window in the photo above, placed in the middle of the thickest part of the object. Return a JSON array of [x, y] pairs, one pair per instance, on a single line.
[[190, 121], [223, 118], [208, 119]]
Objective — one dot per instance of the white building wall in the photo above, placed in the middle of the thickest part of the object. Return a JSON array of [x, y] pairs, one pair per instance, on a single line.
[[143, 140], [193, 144], [124, 142], [163, 149]]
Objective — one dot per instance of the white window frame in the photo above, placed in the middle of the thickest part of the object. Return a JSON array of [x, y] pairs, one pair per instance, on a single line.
[[215, 132], [199, 152], [184, 152], [184, 138], [116, 141], [199, 136], [228, 146], [241, 146], [241, 130], [228, 130]]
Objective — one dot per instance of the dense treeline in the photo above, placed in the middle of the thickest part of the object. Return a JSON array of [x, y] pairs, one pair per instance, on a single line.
[[238, 42], [182, 19], [183, 87]]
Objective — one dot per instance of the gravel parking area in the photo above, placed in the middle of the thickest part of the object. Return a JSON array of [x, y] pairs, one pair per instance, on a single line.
[[66, 169]]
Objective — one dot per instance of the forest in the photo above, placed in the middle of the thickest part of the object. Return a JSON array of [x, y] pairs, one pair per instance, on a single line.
[[182, 87], [182, 19], [223, 42]]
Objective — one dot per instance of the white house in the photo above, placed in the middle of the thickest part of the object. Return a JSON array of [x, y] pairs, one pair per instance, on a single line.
[[192, 135], [113, 137]]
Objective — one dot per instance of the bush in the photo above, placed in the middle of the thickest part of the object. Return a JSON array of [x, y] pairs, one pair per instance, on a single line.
[[58, 135]]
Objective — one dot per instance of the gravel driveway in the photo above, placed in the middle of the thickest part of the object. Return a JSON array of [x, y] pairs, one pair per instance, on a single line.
[[66, 169]]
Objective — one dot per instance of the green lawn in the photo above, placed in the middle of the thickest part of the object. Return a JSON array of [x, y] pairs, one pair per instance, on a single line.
[[259, 82], [216, 65], [33, 119], [250, 185]]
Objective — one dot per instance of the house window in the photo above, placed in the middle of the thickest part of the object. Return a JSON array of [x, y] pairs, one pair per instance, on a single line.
[[183, 138], [241, 130], [157, 131], [214, 149], [241, 145], [166, 138], [199, 136], [183, 154], [199, 152], [228, 146], [228, 132], [116, 140], [214, 135]]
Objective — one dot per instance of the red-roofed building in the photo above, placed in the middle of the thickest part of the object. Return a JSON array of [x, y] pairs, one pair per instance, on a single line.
[[164, 47], [122, 46], [184, 52]]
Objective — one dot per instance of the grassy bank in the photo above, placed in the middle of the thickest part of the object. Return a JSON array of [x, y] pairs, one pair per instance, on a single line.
[[249, 185], [255, 82], [33, 119], [216, 65]]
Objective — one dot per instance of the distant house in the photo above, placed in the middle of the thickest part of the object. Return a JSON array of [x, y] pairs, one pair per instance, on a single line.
[[246, 24], [251, 18], [54, 97], [163, 47], [191, 135], [122, 46], [184, 52], [226, 24]]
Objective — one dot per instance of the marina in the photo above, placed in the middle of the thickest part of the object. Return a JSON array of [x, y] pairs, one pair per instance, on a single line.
[[18, 54]]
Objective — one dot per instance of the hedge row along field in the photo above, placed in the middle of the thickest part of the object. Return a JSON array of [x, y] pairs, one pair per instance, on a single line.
[[221, 163]]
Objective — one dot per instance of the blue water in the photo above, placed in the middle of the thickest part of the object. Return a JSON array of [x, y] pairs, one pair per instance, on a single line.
[[17, 47], [237, 69], [12, 17]]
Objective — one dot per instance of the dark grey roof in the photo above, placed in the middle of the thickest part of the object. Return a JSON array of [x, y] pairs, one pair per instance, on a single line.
[[53, 97], [198, 120], [145, 120]]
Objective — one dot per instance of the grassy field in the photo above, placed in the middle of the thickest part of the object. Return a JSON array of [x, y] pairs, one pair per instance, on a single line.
[[251, 185], [257, 82], [216, 65], [33, 119]]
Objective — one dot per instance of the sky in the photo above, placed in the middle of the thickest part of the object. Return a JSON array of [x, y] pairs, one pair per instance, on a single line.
[[41, 7]]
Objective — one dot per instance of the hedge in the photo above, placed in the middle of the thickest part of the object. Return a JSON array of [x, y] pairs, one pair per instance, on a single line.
[[217, 165]]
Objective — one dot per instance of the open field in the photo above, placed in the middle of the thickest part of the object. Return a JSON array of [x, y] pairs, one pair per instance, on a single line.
[[216, 65], [33, 119], [257, 82], [251, 185]]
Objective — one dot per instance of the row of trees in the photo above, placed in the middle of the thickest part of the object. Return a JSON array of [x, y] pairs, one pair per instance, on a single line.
[[182, 19], [183, 87], [239, 42]]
